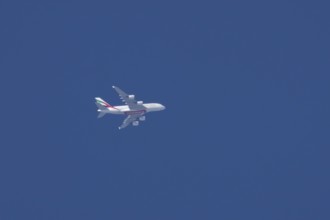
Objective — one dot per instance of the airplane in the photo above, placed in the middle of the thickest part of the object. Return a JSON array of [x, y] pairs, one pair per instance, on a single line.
[[134, 110]]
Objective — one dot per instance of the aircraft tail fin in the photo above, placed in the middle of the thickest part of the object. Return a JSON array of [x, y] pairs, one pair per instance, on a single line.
[[100, 106], [103, 107], [102, 102]]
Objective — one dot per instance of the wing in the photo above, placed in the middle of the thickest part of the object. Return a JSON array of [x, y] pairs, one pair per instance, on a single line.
[[128, 120], [127, 99]]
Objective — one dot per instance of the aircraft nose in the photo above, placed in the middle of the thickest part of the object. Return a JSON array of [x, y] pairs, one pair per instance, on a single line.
[[163, 107]]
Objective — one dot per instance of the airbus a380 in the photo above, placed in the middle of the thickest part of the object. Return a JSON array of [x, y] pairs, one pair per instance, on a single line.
[[134, 110]]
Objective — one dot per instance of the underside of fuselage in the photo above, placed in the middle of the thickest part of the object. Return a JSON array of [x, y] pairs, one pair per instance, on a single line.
[[125, 110], [137, 112]]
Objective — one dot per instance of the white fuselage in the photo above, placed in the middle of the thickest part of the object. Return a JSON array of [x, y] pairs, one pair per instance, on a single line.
[[125, 110]]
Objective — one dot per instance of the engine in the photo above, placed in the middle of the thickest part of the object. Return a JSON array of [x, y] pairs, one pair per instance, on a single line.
[[142, 118], [131, 97], [135, 123], [139, 102]]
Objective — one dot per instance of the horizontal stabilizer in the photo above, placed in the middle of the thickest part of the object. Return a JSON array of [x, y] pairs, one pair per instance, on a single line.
[[101, 114]]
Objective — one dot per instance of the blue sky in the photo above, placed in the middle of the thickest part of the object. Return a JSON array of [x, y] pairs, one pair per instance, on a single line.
[[245, 134]]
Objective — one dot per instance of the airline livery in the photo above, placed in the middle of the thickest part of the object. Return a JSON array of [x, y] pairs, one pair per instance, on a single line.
[[134, 110]]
